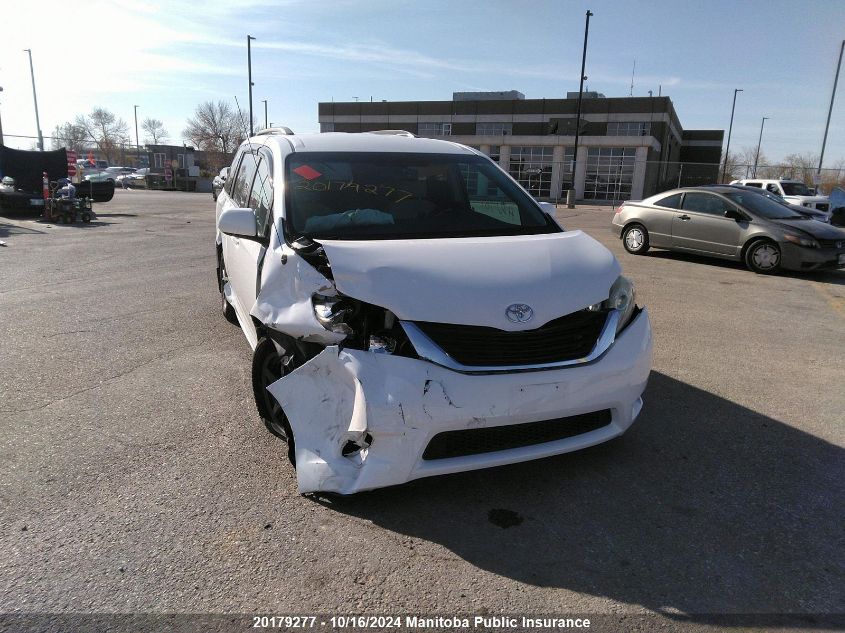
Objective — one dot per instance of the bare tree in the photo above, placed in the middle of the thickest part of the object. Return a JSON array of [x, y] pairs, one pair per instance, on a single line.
[[71, 136], [105, 130], [734, 167], [155, 131], [215, 127]]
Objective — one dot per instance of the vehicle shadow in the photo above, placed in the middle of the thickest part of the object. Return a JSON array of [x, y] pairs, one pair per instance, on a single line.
[[835, 277], [13, 229], [703, 507]]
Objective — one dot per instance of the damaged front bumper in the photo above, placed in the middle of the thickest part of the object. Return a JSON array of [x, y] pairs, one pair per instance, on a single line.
[[364, 420]]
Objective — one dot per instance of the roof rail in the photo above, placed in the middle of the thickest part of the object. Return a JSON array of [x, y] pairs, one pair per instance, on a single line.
[[275, 130], [393, 133]]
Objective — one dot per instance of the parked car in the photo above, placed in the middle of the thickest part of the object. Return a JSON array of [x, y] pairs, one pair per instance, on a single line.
[[99, 176], [809, 212], [135, 179], [792, 191], [218, 182], [722, 221], [413, 311]]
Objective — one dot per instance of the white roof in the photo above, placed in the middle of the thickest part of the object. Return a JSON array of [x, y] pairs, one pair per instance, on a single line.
[[362, 142]]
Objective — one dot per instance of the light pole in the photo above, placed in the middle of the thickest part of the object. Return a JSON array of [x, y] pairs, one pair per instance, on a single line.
[[265, 114], [137, 144], [1, 123], [35, 100], [830, 110], [571, 203], [730, 129], [249, 39], [759, 140]]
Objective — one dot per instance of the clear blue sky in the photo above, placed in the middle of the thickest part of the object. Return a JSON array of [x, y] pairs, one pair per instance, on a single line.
[[169, 56]]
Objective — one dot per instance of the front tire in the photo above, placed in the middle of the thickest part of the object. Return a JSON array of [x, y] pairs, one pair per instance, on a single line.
[[763, 257], [268, 366], [635, 239], [226, 307]]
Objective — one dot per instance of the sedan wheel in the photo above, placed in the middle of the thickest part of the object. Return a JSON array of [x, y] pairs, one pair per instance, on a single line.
[[635, 239], [763, 257]]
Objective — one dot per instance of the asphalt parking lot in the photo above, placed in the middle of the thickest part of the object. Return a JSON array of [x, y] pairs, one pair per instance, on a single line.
[[136, 476]]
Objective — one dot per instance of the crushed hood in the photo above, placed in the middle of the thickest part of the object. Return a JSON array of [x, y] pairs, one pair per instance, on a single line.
[[471, 281]]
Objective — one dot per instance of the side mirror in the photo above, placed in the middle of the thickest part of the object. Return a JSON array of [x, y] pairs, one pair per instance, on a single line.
[[735, 214], [548, 208], [237, 223]]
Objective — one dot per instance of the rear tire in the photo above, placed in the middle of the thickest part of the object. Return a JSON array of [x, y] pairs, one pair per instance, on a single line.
[[635, 239], [763, 257], [268, 366]]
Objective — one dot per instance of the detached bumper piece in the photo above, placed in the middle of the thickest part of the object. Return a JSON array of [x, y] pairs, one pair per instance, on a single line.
[[501, 438]]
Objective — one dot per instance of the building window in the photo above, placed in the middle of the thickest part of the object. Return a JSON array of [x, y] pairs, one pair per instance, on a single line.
[[493, 129], [610, 172], [158, 161], [566, 179], [180, 159], [628, 128], [434, 129], [532, 167], [327, 127]]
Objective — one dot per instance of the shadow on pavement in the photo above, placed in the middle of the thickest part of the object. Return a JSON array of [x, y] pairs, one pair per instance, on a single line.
[[703, 507], [7, 229]]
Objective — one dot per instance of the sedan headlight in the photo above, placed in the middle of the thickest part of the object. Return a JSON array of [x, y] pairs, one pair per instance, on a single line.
[[807, 242], [623, 298]]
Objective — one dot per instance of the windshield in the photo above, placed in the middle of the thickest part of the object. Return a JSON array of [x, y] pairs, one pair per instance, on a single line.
[[795, 189], [763, 207], [363, 195]]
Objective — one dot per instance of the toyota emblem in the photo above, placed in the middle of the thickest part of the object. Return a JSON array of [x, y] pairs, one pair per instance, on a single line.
[[519, 313]]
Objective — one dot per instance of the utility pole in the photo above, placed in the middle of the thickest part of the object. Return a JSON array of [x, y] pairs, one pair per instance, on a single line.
[[249, 39], [265, 114], [137, 143], [35, 100], [730, 129], [830, 110], [759, 140], [570, 200]]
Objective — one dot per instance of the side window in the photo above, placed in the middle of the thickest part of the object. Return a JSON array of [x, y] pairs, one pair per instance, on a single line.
[[243, 181], [705, 203], [773, 188], [671, 202], [261, 196], [230, 182], [759, 185]]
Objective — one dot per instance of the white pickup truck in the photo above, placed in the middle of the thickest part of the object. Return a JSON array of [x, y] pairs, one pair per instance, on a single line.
[[792, 191]]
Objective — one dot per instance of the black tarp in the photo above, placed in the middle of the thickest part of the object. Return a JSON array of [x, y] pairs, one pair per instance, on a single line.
[[27, 167]]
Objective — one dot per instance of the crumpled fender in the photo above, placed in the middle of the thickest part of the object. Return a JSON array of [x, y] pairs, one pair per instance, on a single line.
[[284, 300]]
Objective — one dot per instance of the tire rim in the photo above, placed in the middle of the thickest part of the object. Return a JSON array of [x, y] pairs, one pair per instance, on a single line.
[[765, 257], [271, 371], [634, 239]]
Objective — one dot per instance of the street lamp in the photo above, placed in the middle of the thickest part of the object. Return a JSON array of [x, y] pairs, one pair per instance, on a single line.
[[730, 129], [571, 203], [830, 110], [35, 100], [249, 39], [759, 140], [265, 114]]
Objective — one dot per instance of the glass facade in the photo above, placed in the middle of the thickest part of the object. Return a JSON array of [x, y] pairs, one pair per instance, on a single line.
[[326, 127], [566, 180], [628, 128], [532, 167], [434, 129], [610, 172], [493, 129]]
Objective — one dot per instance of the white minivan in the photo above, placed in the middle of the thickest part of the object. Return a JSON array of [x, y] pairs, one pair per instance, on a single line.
[[413, 311]]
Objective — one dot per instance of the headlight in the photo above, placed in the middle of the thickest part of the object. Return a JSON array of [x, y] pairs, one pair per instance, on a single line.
[[623, 297], [807, 242], [331, 311]]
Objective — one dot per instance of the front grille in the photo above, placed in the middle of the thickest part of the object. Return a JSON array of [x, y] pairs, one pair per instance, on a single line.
[[832, 243], [567, 338], [501, 438], [822, 207]]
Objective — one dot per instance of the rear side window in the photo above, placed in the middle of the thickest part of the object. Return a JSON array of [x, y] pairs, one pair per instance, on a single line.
[[671, 202], [705, 203], [773, 188], [759, 185]]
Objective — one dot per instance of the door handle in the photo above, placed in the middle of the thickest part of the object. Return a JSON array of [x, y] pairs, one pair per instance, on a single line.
[[685, 218]]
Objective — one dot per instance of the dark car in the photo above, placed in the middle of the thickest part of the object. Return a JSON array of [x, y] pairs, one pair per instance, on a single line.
[[730, 223], [219, 182]]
